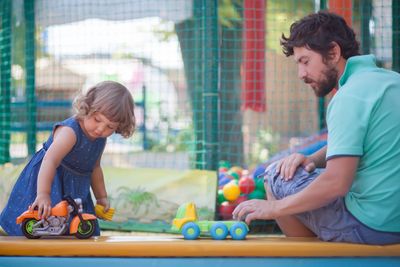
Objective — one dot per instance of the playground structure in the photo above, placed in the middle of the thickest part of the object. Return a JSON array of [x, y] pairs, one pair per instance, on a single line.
[[237, 99], [208, 77], [217, 87]]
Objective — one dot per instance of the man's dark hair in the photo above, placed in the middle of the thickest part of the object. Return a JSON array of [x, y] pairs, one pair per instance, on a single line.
[[317, 32]]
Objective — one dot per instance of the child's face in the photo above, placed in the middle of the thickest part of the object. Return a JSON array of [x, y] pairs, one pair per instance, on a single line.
[[98, 126]]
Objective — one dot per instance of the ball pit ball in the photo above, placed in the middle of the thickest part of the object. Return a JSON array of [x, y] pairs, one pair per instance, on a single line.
[[225, 210], [237, 169], [222, 169], [260, 184], [221, 197], [257, 194], [258, 171], [240, 199], [223, 179], [246, 185], [231, 191], [235, 175], [224, 163]]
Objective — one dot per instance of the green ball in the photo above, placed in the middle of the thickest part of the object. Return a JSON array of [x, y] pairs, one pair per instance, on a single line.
[[260, 184], [221, 197], [257, 194], [224, 163], [235, 175]]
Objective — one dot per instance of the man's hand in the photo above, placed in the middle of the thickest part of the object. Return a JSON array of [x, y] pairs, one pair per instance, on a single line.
[[255, 209], [288, 166], [43, 203]]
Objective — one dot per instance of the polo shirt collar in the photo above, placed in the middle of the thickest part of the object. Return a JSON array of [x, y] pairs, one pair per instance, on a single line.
[[356, 64]]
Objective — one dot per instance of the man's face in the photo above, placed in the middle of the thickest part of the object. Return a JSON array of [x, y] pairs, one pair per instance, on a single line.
[[321, 76]]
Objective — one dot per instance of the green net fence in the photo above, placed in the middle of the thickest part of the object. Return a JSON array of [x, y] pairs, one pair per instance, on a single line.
[[209, 79]]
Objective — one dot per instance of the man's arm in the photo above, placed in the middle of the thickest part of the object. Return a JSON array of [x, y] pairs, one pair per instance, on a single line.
[[319, 158], [331, 184]]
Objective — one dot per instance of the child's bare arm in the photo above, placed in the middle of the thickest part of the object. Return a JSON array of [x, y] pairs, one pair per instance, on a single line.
[[99, 187], [63, 141]]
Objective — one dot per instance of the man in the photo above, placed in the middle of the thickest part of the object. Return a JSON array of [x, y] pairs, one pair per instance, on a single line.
[[356, 198]]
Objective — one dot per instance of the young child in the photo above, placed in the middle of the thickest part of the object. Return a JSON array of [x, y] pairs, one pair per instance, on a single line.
[[69, 162]]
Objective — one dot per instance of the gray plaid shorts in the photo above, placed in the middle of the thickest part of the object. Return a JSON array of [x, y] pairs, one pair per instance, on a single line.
[[332, 222]]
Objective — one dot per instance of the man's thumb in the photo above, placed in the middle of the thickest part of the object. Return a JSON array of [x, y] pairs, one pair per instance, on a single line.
[[310, 167]]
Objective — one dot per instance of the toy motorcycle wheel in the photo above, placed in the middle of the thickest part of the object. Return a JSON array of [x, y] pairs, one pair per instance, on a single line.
[[86, 229], [27, 228]]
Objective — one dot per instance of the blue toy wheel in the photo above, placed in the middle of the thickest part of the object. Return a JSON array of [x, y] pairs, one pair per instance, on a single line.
[[190, 231], [219, 231], [239, 231]]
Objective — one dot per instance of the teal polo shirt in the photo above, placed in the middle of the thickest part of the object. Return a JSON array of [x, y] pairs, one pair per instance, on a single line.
[[363, 120]]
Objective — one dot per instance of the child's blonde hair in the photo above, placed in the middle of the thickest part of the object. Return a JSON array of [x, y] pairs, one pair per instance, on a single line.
[[111, 99]]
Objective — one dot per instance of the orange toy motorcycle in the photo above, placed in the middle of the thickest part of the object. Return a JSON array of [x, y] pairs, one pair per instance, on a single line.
[[82, 225]]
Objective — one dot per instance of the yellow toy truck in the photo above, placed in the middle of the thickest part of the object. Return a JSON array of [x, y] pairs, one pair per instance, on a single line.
[[187, 223]]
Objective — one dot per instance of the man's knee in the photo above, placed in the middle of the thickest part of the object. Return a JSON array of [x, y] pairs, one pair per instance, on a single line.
[[281, 188], [270, 195]]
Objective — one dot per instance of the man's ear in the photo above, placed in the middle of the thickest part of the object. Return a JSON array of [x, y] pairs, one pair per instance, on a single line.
[[335, 52]]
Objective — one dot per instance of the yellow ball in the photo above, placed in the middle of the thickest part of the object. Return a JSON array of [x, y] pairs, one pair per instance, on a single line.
[[231, 191]]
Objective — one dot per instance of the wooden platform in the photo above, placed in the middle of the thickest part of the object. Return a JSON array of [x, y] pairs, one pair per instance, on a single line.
[[172, 246], [169, 250]]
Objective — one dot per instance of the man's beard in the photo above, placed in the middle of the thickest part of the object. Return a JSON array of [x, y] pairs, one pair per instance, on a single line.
[[325, 86]]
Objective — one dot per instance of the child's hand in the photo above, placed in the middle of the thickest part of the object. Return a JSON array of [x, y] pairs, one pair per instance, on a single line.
[[43, 203], [103, 202], [103, 210]]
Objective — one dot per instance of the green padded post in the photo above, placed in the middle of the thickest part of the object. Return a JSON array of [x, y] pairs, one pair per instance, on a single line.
[[366, 13], [5, 79], [29, 11], [210, 96]]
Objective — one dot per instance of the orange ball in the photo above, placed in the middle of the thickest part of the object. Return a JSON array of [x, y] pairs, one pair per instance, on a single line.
[[237, 170]]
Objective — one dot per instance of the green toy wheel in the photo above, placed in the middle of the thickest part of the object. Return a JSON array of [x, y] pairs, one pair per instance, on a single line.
[[86, 229], [27, 228]]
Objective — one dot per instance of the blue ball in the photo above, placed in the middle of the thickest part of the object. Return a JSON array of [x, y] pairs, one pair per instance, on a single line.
[[223, 179], [258, 171]]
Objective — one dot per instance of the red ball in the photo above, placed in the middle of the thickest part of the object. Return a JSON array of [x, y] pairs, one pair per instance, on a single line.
[[222, 169], [225, 210], [246, 185], [240, 199]]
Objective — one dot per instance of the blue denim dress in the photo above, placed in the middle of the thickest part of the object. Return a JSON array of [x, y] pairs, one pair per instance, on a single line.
[[73, 177]]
